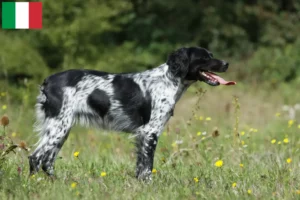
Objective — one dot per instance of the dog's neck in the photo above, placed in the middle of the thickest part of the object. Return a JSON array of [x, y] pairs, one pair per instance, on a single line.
[[178, 82], [164, 75], [182, 88]]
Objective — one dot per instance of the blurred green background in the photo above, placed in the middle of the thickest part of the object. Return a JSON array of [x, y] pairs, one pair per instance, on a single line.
[[258, 37]]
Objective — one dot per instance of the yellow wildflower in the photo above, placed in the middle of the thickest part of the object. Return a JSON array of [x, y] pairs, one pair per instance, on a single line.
[[233, 185], [290, 123], [286, 140], [32, 176], [199, 133], [289, 160], [103, 174], [299, 126], [241, 165], [203, 138], [279, 142], [201, 118], [76, 154], [154, 171], [196, 180], [298, 191], [219, 163], [249, 191], [278, 114], [207, 118], [4, 107], [74, 185], [273, 141], [14, 134], [243, 133], [243, 142]]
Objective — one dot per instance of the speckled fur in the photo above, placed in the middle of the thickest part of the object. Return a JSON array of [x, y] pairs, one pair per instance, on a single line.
[[78, 96]]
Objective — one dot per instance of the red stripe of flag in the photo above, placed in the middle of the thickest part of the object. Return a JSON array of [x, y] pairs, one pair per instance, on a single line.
[[35, 15]]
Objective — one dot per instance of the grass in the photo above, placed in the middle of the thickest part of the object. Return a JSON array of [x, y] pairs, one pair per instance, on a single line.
[[234, 128]]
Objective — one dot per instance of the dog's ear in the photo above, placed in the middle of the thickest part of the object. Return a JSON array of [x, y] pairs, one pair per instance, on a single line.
[[178, 62]]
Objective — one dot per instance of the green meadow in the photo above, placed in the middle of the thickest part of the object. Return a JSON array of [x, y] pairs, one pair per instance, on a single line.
[[230, 142]]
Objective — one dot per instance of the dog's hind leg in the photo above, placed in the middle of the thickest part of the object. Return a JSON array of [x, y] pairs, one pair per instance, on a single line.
[[54, 132], [53, 137]]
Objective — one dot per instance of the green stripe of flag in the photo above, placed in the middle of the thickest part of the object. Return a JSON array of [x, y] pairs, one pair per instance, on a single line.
[[8, 15]]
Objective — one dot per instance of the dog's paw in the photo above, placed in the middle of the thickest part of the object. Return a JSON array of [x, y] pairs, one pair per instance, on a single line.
[[145, 176]]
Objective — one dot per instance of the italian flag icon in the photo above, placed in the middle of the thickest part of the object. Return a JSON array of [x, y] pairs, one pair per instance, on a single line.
[[21, 15]]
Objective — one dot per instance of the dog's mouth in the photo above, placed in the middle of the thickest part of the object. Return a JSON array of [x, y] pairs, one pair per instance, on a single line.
[[213, 79]]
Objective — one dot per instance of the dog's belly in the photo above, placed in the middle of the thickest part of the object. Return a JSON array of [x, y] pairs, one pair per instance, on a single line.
[[115, 120], [118, 120]]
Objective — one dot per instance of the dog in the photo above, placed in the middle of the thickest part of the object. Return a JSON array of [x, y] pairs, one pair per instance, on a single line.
[[138, 103]]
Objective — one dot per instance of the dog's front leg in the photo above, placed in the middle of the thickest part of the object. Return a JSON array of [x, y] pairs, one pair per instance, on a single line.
[[146, 145]]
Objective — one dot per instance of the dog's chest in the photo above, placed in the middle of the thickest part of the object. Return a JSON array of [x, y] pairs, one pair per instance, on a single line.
[[163, 103]]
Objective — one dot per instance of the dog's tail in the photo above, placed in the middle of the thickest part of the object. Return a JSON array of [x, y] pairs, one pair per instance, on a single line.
[[39, 108]]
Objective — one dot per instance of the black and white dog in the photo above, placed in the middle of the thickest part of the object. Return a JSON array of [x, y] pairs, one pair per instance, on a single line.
[[139, 103]]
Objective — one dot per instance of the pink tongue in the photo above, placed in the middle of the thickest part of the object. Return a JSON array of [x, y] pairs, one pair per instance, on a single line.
[[220, 80]]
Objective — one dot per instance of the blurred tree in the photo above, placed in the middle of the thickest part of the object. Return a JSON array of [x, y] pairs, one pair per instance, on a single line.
[[132, 35]]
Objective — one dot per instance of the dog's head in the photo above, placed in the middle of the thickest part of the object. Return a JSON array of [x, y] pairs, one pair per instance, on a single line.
[[197, 63]]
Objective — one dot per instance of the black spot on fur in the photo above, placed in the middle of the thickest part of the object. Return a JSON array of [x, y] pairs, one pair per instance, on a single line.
[[135, 105], [59, 145], [74, 76], [54, 98], [172, 112], [33, 164], [97, 73], [45, 158], [145, 109], [99, 101], [144, 83]]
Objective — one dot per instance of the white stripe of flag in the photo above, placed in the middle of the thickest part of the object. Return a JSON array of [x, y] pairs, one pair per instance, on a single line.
[[22, 15]]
